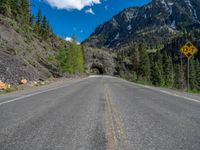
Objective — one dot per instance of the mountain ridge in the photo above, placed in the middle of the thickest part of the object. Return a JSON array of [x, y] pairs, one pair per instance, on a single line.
[[155, 22]]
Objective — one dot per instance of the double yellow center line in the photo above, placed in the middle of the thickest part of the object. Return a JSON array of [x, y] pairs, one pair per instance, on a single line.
[[114, 127]]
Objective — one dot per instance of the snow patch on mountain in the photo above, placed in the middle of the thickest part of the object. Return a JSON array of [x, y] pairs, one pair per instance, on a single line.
[[192, 9], [130, 15], [129, 27], [116, 37], [173, 25], [170, 4]]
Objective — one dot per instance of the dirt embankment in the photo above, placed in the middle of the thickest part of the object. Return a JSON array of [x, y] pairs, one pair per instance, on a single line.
[[24, 56]]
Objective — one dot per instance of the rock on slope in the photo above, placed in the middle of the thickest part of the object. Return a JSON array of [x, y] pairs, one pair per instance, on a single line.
[[153, 23], [23, 56]]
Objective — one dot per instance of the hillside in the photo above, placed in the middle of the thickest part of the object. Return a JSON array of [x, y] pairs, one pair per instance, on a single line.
[[24, 56], [30, 50]]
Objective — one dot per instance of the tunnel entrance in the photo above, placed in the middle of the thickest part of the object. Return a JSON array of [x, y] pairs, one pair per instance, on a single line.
[[97, 70]]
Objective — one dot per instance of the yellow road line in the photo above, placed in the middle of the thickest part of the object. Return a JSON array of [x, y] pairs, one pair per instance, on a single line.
[[109, 125], [115, 131]]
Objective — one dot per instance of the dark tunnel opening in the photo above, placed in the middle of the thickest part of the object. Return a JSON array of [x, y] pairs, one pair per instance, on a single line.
[[97, 70]]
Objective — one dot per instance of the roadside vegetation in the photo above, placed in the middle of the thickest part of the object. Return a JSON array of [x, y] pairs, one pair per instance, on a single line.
[[71, 59], [163, 68]]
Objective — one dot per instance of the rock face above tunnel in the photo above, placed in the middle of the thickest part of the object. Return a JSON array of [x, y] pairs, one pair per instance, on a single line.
[[99, 60]]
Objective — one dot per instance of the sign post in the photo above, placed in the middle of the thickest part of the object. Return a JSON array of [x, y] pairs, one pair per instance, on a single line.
[[189, 50], [188, 76]]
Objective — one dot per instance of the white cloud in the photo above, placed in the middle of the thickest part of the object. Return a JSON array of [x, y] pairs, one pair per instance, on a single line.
[[72, 4], [69, 39], [89, 11]]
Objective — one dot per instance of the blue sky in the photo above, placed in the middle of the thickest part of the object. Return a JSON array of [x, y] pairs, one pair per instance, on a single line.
[[80, 17]]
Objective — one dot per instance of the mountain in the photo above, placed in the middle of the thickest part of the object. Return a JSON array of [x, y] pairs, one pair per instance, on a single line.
[[144, 43], [153, 24]]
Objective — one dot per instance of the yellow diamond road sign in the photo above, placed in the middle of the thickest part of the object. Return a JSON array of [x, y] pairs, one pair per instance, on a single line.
[[189, 50]]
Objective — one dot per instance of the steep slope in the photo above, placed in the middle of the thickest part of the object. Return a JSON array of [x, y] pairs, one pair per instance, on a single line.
[[154, 23], [23, 55]]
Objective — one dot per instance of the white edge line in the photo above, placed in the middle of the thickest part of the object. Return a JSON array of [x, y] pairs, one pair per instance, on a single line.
[[152, 88], [162, 91], [37, 93], [145, 86]]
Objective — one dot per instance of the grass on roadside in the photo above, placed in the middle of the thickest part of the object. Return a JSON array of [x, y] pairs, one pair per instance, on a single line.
[[9, 90], [195, 91]]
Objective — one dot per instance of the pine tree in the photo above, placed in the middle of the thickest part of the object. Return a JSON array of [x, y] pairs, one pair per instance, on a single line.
[[44, 28], [177, 73], [44, 23], [64, 58], [135, 58], [38, 24], [167, 70], [15, 6], [156, 76], [5, 8], [144, 67], [197, 68], [25, 8], [178, 76], [20, 11], [49, 29], [32, 20], [192, 75], [158, 58]]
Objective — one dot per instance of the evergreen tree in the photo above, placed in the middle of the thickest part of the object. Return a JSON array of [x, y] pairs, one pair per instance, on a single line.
[[25, 8], [178, 76], [44, 28], [197, 68], [32, 20], [64, 59], [38, 24], [167, 70], [192, 77], [158, 58], [144, 67], [135, 58], [44, 23], [49, 29], [15, 6], [156, 76], [5, 8]]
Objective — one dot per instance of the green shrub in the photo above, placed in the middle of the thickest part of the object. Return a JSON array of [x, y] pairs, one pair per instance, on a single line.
[[71, 60], [11, 89]]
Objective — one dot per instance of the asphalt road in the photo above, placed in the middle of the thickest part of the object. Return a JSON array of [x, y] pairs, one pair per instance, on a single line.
[[100, 113]]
